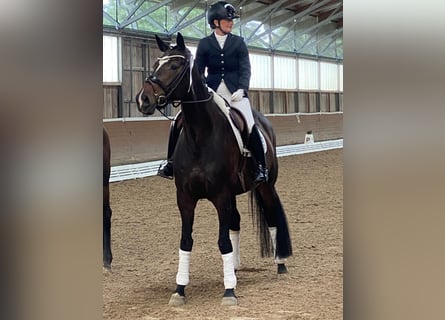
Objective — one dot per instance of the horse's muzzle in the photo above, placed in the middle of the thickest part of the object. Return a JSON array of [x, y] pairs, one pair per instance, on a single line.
[[144, 105]]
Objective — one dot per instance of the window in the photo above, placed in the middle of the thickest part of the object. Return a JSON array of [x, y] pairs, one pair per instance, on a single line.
[[261, 71], [308, 74], [112, 59], [340, 78], [328, 76], [285, 73]]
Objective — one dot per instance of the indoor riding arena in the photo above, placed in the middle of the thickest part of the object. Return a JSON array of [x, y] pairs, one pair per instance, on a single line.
[[296, 58]]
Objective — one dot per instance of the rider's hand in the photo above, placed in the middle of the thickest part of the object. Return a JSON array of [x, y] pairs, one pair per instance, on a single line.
[[237, 95]]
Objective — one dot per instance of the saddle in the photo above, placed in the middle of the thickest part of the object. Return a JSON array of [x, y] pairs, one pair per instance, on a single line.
[[236, 120], [237, 123]]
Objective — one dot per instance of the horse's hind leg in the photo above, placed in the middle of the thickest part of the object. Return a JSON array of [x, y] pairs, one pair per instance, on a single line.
[[277, 224], [186, 206]]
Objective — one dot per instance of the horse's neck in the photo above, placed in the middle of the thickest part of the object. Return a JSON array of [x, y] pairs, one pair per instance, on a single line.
[[201, 118], [202, 125]]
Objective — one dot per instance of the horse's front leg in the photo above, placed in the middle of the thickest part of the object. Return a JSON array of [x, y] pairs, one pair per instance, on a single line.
[[224, 206], [186, 205], [234, 235]]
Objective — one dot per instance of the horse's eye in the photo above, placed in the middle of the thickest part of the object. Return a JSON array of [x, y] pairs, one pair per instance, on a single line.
[[174, 67]]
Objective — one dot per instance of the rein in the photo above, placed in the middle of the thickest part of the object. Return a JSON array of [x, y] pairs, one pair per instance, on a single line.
[[178, 103]]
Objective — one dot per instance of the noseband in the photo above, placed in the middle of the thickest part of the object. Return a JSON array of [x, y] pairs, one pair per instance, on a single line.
[[163, 99]]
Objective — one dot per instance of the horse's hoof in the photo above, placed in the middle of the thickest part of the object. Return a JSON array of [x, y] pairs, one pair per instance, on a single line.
[[106, 267], [176, 300], [229, 301], [281, 269]]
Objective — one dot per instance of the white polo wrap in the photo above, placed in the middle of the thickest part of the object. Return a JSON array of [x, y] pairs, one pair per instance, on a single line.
[[273, 237], [182, 277], [229, 271], [235, 239]]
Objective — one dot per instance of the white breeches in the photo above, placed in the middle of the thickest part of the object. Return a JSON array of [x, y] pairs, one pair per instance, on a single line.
[[242, 105]]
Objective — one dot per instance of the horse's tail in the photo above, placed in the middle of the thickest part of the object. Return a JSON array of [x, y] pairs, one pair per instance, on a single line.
[[283, 241]]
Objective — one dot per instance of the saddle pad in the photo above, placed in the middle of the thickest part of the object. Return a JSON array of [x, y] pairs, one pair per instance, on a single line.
[[221, 103]]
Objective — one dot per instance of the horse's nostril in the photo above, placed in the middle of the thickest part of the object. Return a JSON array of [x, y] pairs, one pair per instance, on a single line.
[[141, 99]]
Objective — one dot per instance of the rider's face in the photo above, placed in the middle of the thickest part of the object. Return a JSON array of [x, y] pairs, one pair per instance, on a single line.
[[225, 25]]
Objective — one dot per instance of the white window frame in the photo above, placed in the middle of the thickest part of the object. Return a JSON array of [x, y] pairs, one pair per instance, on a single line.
[[112, 60]]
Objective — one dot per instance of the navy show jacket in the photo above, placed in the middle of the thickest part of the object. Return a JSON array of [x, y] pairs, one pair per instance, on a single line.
[[230, 63]]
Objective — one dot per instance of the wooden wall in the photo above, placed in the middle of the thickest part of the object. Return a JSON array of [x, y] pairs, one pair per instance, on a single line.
[[139, 55]]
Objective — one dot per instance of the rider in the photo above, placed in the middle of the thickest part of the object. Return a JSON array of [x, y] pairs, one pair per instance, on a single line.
[[226, 58]]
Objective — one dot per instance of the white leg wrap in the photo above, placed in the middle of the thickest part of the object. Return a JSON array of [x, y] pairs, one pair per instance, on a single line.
[[182, 277], [234, 238], [273, 236], [229, 271]]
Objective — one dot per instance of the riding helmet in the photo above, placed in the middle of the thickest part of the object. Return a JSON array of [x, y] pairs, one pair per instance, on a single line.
[[221, 10]]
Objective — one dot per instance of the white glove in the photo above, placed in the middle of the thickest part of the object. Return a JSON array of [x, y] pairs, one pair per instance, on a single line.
[[237, 95]]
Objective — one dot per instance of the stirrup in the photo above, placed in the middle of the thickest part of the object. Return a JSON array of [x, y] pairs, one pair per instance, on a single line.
[[166, 170]]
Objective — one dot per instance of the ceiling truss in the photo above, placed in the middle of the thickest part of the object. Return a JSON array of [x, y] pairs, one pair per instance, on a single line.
[[259, 19]]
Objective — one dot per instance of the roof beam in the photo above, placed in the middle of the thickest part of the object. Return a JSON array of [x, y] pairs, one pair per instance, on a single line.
[[331, 34], [295, 18], [177, 26], [135, 8], [261, 12], [108, 16], [328, 46], [186, 24], [267, 9], [129, 21]]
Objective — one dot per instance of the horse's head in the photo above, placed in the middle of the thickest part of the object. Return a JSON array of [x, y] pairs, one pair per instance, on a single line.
[[170, 79]]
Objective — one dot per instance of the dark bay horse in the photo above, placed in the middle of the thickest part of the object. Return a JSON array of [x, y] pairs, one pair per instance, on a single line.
[[208, 164], [107, 256]]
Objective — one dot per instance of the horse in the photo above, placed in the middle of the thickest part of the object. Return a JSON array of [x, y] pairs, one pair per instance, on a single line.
[[107, 256], [208, 165]]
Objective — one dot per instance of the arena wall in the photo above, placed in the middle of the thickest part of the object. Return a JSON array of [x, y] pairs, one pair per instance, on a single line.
[[136, 140]]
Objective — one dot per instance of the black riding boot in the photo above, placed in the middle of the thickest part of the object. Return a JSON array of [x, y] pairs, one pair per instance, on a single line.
[[256, 147], [166, 168]]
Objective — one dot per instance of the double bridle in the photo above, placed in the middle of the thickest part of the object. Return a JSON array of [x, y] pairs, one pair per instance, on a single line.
[[163, 99]]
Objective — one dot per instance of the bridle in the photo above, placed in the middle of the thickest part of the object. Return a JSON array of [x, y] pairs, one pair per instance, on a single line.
[[163, 99]]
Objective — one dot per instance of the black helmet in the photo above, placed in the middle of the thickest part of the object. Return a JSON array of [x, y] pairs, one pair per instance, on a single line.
[[221, 10]]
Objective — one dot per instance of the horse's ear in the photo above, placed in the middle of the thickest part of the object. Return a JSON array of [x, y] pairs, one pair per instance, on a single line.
[[180, 41], [161, 44]]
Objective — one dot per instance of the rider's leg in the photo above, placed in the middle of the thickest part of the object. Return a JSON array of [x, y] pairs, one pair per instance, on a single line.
[[255, 144], [256, 147], [166, 167]]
